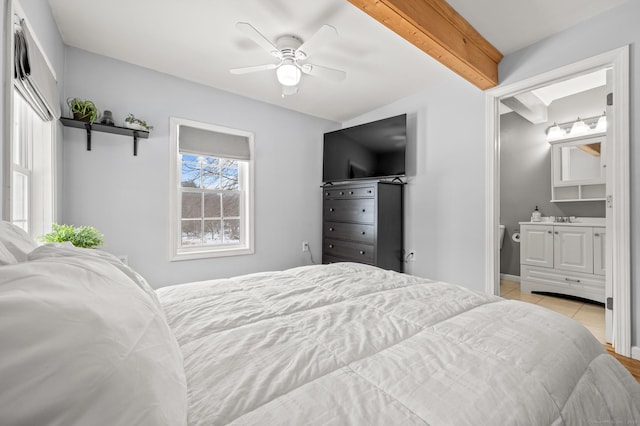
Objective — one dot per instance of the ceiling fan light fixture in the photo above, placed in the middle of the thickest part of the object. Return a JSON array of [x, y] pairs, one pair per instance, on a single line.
[[288, 74]]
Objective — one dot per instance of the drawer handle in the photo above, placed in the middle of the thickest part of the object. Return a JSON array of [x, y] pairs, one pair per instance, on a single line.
[[350, 192], [574, 280], [331, 229], [548, 232], [596, 235], [341, 193], [331, 209], [362, 232], [369, 191], [330, 245], [327, 194], [556, 232], [361, 251], [363, 210]]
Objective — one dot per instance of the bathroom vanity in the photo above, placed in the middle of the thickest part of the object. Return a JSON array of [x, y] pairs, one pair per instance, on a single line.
[[564, 258]]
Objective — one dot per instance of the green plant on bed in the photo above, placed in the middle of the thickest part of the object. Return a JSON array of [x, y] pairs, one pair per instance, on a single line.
[[82, 236]]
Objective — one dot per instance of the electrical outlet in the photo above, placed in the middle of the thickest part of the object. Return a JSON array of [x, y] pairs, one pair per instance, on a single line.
[[305, 246], [123, 258]]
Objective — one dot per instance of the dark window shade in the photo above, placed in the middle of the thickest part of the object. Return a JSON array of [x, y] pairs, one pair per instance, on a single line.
[[213, 144], [32, 76]]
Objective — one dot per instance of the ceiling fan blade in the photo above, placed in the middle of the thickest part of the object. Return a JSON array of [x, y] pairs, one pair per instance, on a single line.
[[289, 90], [257, 37], [324, 35], [247, 70], [324, 72]]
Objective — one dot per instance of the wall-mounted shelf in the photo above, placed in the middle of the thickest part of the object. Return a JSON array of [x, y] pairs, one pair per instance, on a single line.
[[116, 130]]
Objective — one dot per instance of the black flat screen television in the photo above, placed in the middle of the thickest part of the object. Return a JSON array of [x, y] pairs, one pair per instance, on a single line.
[[369, 151]]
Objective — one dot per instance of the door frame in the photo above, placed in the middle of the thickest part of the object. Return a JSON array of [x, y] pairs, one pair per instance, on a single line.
[[618, 198]]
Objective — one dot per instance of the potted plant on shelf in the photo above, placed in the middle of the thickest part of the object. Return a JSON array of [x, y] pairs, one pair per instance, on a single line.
[[83, 110], [82, 236], [136, 123]]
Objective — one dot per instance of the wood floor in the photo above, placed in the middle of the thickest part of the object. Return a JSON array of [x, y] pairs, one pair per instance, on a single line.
[[633, 365], [589, 315]]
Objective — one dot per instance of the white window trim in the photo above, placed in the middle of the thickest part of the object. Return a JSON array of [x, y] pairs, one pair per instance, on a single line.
[[176, 253], [7, 166]]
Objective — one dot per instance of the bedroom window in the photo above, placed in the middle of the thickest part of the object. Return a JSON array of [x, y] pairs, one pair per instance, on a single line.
[[211, 190], [31, 144], [31, 169]]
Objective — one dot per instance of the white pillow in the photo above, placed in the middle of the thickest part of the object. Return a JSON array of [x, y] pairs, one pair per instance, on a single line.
[[83, 343], [18, 242]]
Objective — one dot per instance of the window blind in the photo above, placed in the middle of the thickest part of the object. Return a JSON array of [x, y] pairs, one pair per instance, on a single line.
[[213, 144], [32, 76]]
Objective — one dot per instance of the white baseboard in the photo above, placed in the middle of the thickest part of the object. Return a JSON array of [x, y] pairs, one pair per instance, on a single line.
[[635, 352], [510, 277]]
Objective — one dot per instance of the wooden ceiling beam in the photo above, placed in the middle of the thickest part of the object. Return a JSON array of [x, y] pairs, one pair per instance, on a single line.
[[437, 29]]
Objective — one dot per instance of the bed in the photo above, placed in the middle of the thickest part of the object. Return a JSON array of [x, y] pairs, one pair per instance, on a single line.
[[85, 340]]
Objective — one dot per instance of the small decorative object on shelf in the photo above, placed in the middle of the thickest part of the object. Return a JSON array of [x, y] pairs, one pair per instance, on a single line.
[[107, 118], [83, 110], [136, 123], [82, 236]]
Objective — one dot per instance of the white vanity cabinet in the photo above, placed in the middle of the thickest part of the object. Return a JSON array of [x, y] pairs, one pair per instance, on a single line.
[[563, 258], [573, 248], [536, 245]]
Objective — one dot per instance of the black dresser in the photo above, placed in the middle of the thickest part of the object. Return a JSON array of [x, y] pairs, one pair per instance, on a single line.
[[363, 222]]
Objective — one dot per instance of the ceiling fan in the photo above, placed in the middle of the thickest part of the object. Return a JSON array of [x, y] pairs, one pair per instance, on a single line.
[[291, 52]]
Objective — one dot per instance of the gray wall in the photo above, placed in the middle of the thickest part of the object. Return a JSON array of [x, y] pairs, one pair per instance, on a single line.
[[525, 170], [127, 197], [444, 197], [605, 32]]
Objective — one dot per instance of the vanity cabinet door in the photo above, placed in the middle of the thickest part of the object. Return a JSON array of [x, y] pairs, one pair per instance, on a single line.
[[573, 248], [599, 259], [536, 245]]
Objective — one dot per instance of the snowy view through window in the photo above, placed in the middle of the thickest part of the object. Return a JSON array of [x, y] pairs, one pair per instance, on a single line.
[[210, 198]]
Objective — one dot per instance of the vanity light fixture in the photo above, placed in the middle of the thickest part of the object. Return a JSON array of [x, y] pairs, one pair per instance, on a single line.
[[555, 132], [579, 127]]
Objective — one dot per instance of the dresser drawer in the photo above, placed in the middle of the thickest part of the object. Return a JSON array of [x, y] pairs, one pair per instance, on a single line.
[[350, 192], [331, 259], [357, 210], [350, 250], [350, 231]]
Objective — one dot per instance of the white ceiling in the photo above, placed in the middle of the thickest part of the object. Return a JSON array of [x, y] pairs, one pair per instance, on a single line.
[[511, 25], [197, 40]]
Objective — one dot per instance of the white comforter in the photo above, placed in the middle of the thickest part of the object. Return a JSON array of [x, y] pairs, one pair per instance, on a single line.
[[354, 345]]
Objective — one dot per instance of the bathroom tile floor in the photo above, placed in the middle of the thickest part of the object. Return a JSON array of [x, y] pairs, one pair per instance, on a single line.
[[589, 315]]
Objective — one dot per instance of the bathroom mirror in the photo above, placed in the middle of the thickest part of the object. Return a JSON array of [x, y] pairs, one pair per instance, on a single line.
[[578, 161]]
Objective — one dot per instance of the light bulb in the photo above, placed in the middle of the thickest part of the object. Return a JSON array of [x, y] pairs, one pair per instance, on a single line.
[[288, 74], [579, 128], [555, 132]]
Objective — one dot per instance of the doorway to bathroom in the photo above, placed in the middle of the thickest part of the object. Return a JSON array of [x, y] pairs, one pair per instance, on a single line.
[[522, 174]]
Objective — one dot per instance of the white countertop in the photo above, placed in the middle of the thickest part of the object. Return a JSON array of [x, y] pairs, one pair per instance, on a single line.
[[578, 221]]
